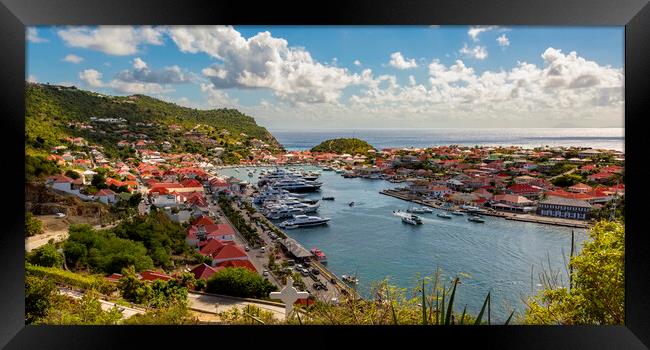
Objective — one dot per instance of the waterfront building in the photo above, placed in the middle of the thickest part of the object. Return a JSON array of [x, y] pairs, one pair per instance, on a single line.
[[512, 202], [565, 208]]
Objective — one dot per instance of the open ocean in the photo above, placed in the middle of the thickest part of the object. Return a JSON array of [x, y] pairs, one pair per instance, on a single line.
[[606, 138]]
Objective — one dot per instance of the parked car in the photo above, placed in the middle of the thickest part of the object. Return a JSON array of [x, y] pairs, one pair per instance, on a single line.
[[247, 248], [60, 215], [265, 273], [304, 272], [315, 271], [263, 249]]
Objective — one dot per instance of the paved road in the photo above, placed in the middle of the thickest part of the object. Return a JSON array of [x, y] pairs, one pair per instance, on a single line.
[[200, 302], [214, 304]]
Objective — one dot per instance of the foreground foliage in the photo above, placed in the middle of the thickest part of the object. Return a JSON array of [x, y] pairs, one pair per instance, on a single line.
[[33, 226], [155, 294], [596, 295]]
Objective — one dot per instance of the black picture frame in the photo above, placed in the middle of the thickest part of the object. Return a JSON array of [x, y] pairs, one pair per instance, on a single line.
[[633, 14]]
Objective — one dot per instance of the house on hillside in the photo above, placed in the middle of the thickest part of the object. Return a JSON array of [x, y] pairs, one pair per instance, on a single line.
[[106, 196]]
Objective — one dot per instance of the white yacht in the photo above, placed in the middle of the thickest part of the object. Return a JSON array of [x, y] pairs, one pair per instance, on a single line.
[[408, 218], [444, 215], [420, 210], [303, 221], [295, 185]]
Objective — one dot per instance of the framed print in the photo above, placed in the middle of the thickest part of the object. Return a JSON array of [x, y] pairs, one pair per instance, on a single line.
[[408, 167]]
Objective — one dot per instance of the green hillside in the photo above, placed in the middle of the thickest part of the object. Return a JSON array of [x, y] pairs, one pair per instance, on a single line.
[[55, 112], [343, 145]]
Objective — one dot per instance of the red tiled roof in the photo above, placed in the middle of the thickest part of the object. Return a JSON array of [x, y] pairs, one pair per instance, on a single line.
[[104, 192], [203, 220], [191, 183], [149, 275], [238, 263], [204, 271], [524, 188], [230, 251], [61, 179], [214, 246]]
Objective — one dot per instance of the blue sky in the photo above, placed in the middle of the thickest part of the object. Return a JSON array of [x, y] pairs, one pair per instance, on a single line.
[[357, 76]]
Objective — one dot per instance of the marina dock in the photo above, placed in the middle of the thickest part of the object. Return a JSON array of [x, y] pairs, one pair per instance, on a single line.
[[404, 195]]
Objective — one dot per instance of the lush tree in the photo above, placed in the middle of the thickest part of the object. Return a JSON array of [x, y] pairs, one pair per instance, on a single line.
[[155, 294], [38, 298], [99, 181], [72, 174], [37, 167], [567, 180], [343, 145], [161, 236], [239, 282], [33, 226], [46, 255], [133, 289], [596, 295], [102, 251]]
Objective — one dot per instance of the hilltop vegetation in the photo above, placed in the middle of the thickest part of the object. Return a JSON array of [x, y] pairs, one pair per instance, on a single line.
[[343, 145], [54, 113]]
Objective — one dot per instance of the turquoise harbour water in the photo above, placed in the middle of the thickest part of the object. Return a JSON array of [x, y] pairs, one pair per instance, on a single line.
[[366, 238]]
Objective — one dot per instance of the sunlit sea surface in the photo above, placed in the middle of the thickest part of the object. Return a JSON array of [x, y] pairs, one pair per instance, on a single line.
[[606, 138]]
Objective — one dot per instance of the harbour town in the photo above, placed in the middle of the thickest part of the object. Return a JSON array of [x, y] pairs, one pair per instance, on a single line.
[[241, 180]]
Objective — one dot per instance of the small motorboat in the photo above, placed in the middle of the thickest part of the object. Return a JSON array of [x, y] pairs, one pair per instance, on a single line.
[[444, 215], [457, 213], [350, 279], [408, 220], [351, 204], [328, 198], [475, 219]]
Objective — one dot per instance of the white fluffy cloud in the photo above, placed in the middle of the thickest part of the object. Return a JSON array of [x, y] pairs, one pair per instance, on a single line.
[[216, 98], [398, 61], [503, 40], [72, 58], [112, 40], [93, 78], [566, 85], [143, 74], [474, 32], [263, 61], [478, 52], [32, 36]]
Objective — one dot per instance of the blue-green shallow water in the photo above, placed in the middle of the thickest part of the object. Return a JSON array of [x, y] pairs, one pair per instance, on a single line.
[[497, 255]]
